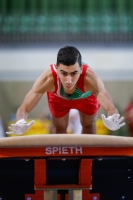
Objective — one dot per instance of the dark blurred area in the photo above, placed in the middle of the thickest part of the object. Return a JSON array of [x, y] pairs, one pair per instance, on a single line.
[[43, 21]]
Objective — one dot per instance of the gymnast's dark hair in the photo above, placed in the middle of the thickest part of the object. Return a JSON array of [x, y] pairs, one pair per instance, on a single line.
[[69, 55]]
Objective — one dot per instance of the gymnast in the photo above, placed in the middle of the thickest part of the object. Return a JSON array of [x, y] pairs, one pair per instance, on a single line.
[[69, 84]]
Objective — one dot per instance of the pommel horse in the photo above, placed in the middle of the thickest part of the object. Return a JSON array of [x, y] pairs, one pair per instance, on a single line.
[[62, 163]]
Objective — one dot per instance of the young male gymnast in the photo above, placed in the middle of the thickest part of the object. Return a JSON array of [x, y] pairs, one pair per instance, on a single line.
[[69, 84]]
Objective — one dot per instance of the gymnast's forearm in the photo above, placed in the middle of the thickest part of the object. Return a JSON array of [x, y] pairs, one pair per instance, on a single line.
[[107, 104], [28, 104]]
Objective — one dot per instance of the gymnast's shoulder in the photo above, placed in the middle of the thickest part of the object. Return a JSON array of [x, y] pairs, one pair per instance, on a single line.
[[45, 82], [92, 81]]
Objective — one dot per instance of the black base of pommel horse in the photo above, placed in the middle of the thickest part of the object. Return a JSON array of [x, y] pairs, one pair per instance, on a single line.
[[66, 167]]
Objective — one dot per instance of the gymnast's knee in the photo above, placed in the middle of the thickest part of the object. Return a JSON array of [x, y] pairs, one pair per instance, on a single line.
[[59, 128], [89, 128]]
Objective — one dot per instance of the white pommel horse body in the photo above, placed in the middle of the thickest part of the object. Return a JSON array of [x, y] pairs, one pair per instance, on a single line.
[[63, 162]]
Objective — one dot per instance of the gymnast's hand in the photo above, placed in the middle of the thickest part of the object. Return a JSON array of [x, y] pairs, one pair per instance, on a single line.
[[113, 122], [20, 127]]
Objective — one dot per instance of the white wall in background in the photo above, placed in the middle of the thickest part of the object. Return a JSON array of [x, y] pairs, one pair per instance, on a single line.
[[26, 64]]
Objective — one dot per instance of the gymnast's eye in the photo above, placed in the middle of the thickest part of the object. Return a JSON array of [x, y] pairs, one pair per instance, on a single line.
[[64, 73], [74, 73]]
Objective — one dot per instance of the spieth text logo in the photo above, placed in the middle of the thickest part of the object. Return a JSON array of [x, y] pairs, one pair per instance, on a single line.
[[63, 150]]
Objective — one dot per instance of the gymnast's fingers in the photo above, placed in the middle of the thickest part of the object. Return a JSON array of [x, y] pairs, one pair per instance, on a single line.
[[122, 124], [11, 132], [121, 119], [11, 128]]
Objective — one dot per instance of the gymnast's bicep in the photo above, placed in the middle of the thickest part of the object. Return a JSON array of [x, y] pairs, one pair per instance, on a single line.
[[44, 83]]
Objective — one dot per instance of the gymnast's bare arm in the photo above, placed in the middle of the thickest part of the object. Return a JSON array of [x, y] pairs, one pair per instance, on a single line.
[[113, 121], [44, 83], [94, 83]]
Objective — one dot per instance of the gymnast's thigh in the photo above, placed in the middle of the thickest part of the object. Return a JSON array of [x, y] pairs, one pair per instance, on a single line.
[[86, 120]]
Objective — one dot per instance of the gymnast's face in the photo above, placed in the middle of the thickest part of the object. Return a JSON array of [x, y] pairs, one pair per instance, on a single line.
[[69, 76]]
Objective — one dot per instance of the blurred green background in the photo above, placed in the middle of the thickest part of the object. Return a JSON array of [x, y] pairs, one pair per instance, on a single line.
[[73, 20]]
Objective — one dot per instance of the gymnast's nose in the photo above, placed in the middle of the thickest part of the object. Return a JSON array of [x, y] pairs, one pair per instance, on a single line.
[[68, 80]]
